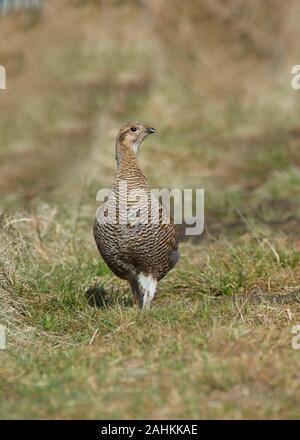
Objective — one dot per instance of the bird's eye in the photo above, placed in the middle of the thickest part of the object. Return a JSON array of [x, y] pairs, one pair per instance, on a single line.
[[133, 129]]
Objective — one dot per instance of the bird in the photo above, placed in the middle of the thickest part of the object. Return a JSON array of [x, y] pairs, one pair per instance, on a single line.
[[140, 245]]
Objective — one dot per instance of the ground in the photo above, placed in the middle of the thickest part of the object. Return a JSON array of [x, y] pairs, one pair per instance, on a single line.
[[215, 83]]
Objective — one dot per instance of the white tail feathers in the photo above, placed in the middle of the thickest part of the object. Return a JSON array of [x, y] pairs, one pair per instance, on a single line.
[[147, 285]]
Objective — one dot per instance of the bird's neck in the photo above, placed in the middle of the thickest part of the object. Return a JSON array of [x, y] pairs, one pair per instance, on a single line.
[[126, 156]]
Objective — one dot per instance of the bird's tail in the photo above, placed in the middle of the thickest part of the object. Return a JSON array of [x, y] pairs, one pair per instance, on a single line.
[[144, 288]]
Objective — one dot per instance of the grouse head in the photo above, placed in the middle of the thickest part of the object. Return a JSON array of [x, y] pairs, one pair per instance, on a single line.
[[132, 135]]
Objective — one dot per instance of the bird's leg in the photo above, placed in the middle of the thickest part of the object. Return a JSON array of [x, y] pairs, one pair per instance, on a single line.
[[147, 287], [135, 291]]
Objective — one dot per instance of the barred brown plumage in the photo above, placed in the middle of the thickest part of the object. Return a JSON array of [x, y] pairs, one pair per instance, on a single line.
[[141, 246]]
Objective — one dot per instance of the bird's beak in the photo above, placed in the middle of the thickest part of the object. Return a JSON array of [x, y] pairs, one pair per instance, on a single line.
[[150, 130]]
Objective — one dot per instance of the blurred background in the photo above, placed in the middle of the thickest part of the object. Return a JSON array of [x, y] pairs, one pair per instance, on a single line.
[[213, 77]]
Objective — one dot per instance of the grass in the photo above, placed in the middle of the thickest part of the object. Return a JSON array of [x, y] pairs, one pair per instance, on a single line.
[[217, 342], [200, 351]]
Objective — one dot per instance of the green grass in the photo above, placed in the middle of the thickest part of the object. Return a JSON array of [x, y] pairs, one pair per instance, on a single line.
[[194, 354]]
